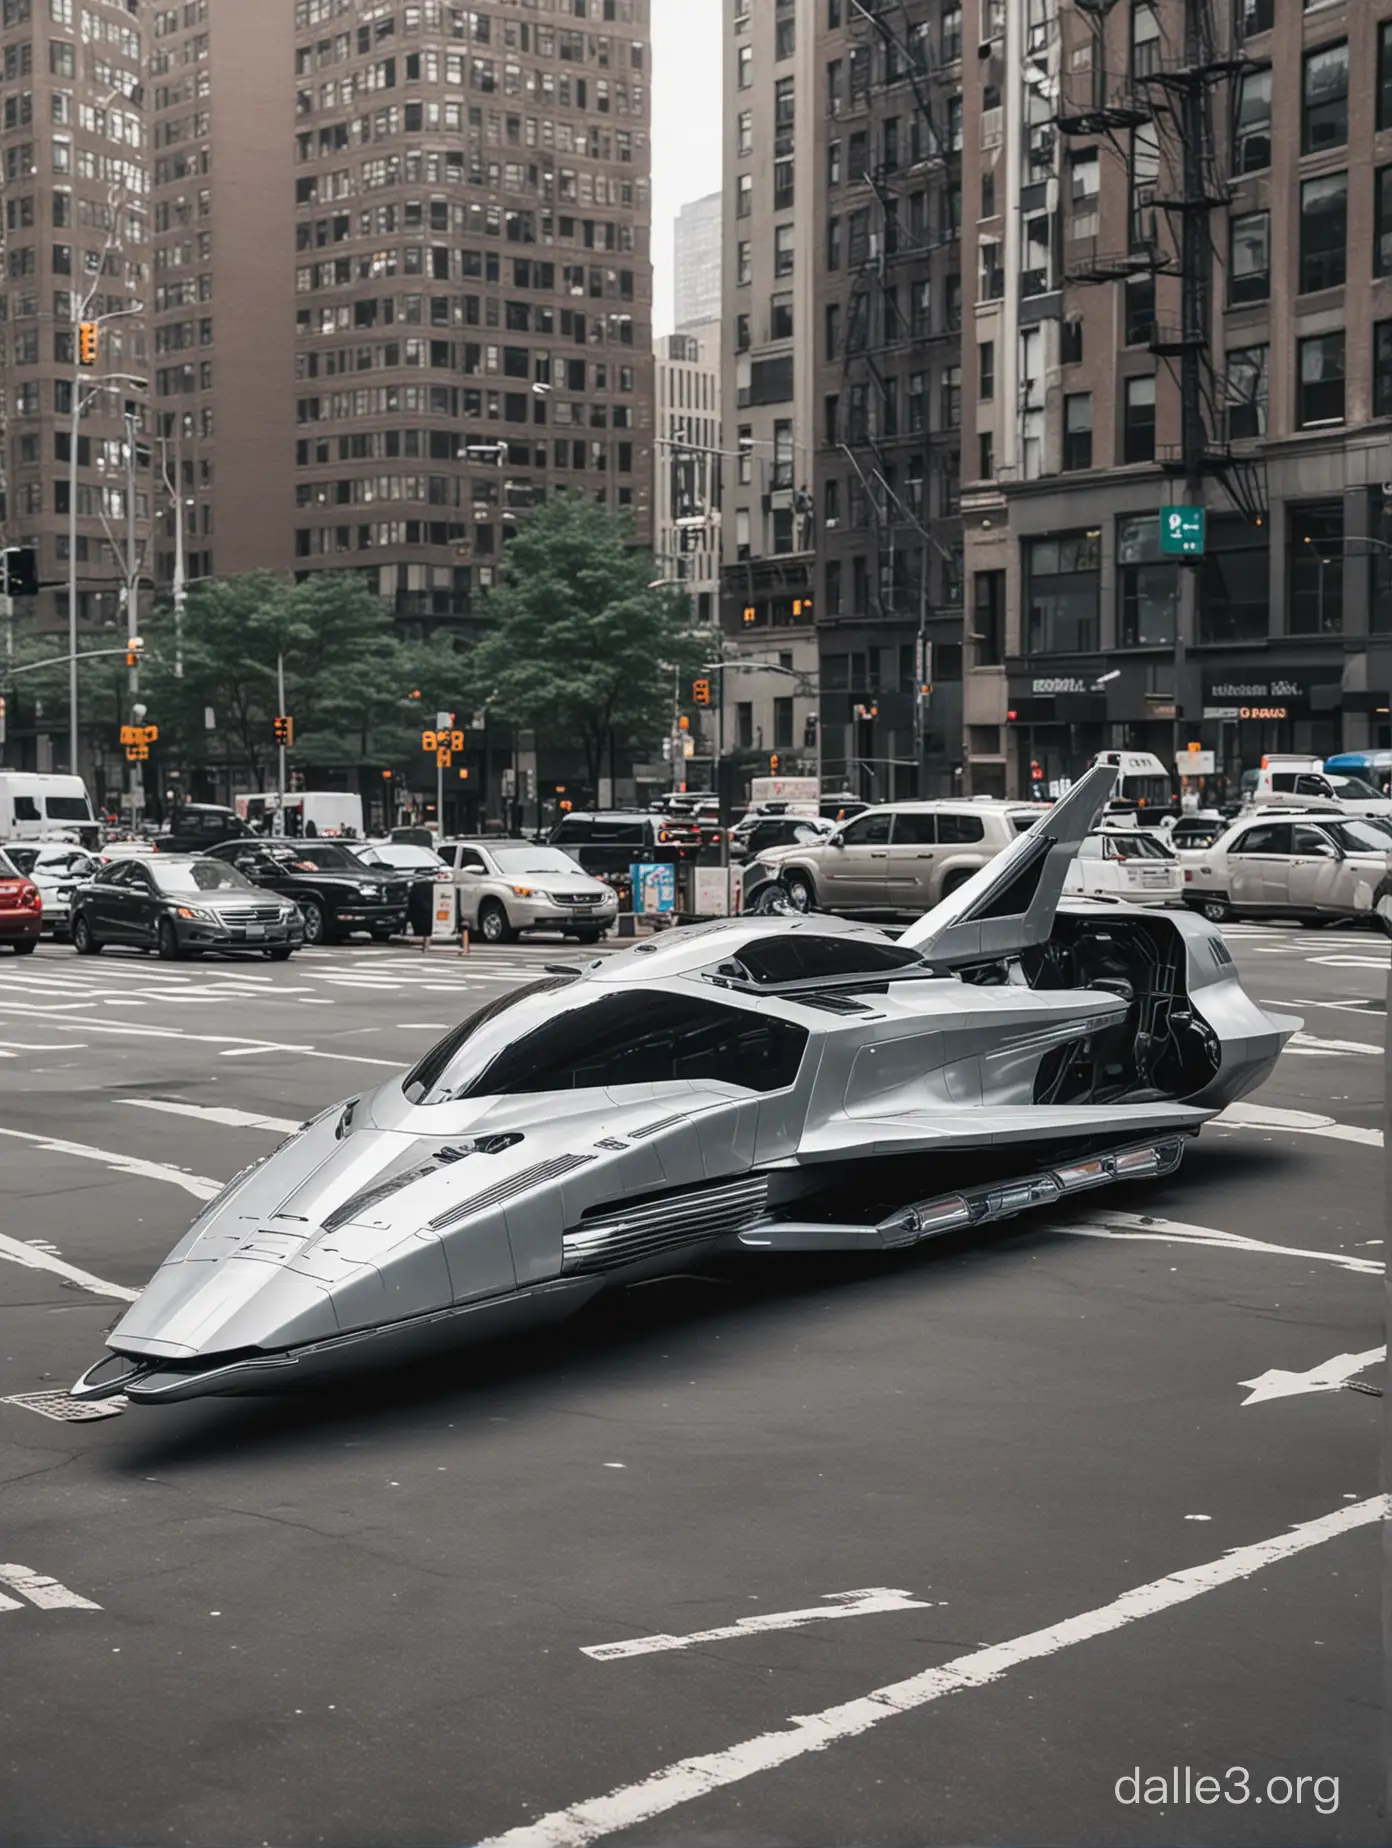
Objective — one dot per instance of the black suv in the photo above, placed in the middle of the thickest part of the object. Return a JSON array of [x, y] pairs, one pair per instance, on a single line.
[[335, 891], [196, 826], [607, 843]]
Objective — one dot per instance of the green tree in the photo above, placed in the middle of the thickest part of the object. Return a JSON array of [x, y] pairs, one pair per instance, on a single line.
[[584, 648]]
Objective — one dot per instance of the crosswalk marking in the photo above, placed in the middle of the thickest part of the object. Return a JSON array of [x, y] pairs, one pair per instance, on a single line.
[[46, 1594]]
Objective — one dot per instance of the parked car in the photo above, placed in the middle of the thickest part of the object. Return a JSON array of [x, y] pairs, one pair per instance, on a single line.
[[1192, 833], [506, 887], [903, 857], [181, 905], [1314, 867], [757, 833], [195, 826], [1126, 863], [34, 806], [1284, 786], [335, 892], [124, 848], [55, 869], [21, 909], [607, 842], [422, 866]]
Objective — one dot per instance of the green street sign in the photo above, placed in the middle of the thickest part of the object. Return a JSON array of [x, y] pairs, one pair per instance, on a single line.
[[1182, 531]]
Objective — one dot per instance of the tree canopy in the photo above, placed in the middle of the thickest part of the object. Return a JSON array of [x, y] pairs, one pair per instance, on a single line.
[[582, 647]]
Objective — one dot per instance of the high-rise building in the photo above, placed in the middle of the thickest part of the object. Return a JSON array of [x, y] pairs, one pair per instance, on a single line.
[[688, 466], [1182, 300], [473, 295], [73, 143], [696, 243], [222, 298], [767, 701], [886, 335]]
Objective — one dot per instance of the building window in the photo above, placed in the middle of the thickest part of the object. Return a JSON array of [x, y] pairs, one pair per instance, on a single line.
[[1247, 386], [988, 618], [833, 157], [831, 417], [1034, 255], [833, 250], [781, 317], [1071, 342], [1140, 309], [1145, 39], [744, 262], [783, 250], [1324, 117], [1382, 222], [991, 285], [782, 723], [743, 340], [1254, 16], [1077, 430], [1323, 232], [785, 36], [1382, 369], [1147, 585], [951, 31], [1384, 75], [951, 398], [1138, 426], [783, 185], [1249, 259], [833, 330], [744, 67], [1315, 573], [1062, 575], [985, 456], [744, 196], [986, 371], [745, 462], [1320, 380], [744, 724], [745, 132], [1252, 122]]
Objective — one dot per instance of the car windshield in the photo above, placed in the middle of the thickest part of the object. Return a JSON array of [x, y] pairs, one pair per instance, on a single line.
[[22, 858], [176, 877], [1360, 836], [8, 869], [72, 865], [328, 856], [537, 860], [1138, 847], [1354, 789], [393, 853], [68, 808]]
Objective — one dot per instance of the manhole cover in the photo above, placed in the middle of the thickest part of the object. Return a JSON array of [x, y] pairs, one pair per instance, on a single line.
[[66, 1409]]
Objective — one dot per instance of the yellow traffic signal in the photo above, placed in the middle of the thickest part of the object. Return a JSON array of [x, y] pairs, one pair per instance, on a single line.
[[700, 692], [750, 613], [684, 723], [456, 741], [284, 729], [463, 776], [88, 342], [773, 764]]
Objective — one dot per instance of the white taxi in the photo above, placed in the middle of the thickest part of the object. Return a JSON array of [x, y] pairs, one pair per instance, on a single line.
[[1129, 863]]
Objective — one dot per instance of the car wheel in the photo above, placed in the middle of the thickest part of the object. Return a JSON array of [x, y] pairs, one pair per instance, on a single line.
[[590, 934], [802, 894], [167, 942], [383, 936], [316, 926], [493, 924], [83, 941], [1313, 923], [1216, 910], [953, 881], [1382, 911], [280, 955], [26, 948]]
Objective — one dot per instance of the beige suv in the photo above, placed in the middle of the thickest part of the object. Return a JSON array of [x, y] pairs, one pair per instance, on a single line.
[[902, 857]]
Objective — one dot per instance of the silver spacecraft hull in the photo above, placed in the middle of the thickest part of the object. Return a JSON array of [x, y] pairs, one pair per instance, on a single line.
[[759, 1086]]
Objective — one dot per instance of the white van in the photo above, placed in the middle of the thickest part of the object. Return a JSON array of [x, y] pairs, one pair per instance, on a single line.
[[1143, 794], [326, 814], [35, 807], [1299, 782]]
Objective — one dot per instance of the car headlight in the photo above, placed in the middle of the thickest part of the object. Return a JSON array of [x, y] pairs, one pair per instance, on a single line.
[[200, 912], [288, 913], [367, 891], [523, 892]]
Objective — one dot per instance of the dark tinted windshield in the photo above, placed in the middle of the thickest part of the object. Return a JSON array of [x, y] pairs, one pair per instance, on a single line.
[[328, 856], [422, 1085], [198, 876], [67, 808], [794, 958], [8, 869], [1138, 847]]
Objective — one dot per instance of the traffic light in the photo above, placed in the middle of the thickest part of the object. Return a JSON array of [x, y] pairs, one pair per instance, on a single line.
[[684, 723], [750, 613], [88, 343], [387, 776], [773, 764], [802, 609], [809, 734], [284, 730], [134, 649], [700, 692]]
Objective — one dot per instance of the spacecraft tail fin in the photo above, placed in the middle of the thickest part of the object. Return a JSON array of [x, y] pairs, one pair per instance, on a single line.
[[1009, 905]]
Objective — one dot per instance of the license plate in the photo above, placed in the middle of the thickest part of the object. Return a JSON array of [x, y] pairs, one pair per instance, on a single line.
[[256, 930]]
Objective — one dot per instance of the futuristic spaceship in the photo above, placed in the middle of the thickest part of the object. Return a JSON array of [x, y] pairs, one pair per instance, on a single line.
[[764, 1084]]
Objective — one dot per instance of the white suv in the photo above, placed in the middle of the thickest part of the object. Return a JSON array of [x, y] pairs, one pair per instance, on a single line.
[[905, 856]]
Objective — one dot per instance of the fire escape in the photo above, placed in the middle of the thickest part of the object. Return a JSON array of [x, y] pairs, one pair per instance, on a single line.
[[902, 327]]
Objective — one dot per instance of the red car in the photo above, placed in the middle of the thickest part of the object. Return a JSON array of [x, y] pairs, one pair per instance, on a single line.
[[21, 909]]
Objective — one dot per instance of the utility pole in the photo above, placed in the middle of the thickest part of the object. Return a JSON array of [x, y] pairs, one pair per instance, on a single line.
[[280, 752], [133, 609], [7, 611], [174, 484], [1195, 263]]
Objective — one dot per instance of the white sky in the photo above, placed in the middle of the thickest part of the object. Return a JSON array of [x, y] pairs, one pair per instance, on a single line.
[[686, 106]]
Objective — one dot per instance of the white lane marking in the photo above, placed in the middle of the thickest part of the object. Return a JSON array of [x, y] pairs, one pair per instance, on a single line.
[[10, 1604], [199, 1185], [1310, 1047], [44, 1046], [421, 1026], [200, 1039], [44, 1592], [688, 1779], [1174, 1232], [1328, 1376], [31, 1259], [1299, 1122], [211, 1113], [864, 1603], [1349, 962]]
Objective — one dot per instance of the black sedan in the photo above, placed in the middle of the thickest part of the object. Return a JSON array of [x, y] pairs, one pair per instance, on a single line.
[[181, 905], [334, 890]]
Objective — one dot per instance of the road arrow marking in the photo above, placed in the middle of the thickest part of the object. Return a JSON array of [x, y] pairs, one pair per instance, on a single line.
[[1144, 1226], [1329, 1376], [865, 1603], [46, 1593]]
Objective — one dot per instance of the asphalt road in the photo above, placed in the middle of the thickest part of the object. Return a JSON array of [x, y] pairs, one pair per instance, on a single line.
[[362, 1617]]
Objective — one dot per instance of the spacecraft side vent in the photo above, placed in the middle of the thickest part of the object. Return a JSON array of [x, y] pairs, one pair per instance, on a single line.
[[651, 1129], [621, 1236], [506, 1190]]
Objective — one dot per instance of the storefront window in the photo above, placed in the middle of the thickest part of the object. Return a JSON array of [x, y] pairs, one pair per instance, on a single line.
[[1315, 569], [1147, 586], [1234, 586], [1062, 575]]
